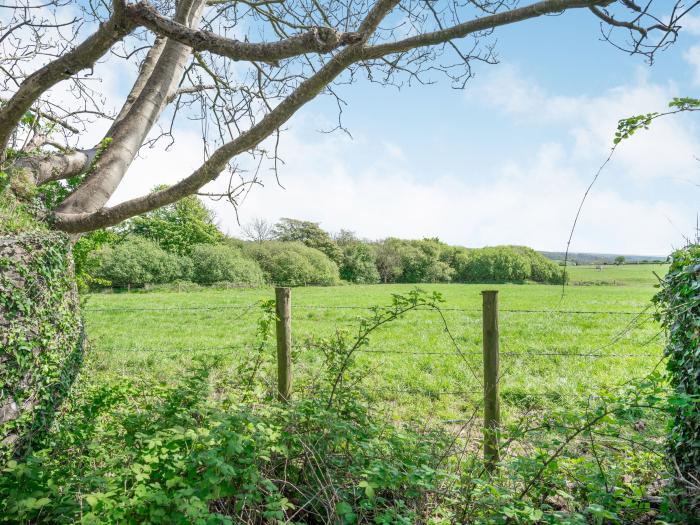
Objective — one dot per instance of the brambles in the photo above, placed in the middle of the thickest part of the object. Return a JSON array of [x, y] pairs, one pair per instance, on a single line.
[[215, 447]]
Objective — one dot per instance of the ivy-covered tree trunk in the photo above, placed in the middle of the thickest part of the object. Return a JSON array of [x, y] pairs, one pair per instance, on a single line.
[[679, 300], [40, 334]]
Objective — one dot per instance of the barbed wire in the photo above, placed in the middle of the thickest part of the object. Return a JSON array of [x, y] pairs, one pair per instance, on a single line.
[[170, 308], [368, 308]]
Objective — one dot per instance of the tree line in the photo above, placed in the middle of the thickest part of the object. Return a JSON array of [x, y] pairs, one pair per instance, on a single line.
[[181, 242]]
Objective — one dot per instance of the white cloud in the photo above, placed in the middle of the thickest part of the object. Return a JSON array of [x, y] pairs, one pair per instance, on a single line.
[[692, 57], [369, 185], [531, 205]]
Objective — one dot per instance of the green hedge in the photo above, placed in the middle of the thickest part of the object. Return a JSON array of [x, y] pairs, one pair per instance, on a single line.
[[40, 334], [137, 261], [218, 263], [679, 302], [293, 264]]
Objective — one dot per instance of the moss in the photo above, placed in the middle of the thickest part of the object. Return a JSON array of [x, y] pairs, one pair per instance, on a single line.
[[19, 209]]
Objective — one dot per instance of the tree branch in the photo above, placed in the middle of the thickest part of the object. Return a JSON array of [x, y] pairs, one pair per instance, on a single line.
[[538, 9], [47, 168], [83, 56], [129, 133], [307, 90], [315, 40]]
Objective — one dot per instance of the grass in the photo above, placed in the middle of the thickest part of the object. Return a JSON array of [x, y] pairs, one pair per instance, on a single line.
[[155, 335]]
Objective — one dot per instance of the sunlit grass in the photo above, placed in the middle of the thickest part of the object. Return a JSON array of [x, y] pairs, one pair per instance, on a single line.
[[413, 353]]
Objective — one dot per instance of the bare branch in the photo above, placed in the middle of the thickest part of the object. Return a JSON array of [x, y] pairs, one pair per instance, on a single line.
[[83, 56], [315, 40]]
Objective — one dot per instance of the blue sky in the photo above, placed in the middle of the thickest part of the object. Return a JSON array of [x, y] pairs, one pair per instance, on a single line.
[[504, 161]]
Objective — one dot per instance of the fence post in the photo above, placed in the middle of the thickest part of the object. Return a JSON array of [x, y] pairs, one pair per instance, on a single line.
[[492, 409], [283, 308]]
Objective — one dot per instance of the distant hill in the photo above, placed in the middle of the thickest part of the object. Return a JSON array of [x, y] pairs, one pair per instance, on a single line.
[[603, 258]]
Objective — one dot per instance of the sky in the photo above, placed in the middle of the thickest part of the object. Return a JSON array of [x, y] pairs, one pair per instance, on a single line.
[[504, 161]]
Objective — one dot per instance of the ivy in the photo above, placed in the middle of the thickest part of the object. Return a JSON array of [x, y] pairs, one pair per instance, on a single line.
[[679, 302], [42, 335]]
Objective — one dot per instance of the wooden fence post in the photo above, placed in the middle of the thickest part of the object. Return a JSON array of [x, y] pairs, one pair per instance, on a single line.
[[283, 308], [492, 409]]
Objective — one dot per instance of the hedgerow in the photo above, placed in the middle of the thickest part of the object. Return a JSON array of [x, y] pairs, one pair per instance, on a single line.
[[217, 447], [679, 302]]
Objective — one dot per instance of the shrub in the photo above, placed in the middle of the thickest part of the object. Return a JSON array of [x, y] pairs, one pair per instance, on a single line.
[[543, 270], [359, 264], [679, 300], [137, 261], [416, 261], [214, 263], [178, 227], [505, 263], [500, 263], [389, 264], [293, 263], [308, 233]]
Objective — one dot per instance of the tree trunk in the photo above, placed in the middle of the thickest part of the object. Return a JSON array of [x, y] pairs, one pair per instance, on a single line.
[[40, 335]]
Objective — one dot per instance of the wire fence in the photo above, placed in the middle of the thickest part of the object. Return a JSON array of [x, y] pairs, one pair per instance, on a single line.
[[410, 349], [251, 306]]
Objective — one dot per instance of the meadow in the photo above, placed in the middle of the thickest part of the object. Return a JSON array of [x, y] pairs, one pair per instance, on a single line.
[[558, 346]]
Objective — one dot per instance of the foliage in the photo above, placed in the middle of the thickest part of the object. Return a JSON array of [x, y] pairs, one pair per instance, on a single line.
[[628, 126], [213, 263], [178, 227], [218, 448], [41, 338], [308, 233], [17, 215], [135, 262], [389, 263], [495, 264], [358, 264], [413, 261], [86, 264], [506, 263], [679, 303], [542, 270], [293, 263]]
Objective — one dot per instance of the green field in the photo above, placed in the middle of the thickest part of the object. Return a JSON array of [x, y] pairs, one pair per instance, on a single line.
[[413, 364]]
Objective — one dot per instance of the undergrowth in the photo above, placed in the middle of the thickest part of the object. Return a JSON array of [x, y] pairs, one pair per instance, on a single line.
[[216, 447]]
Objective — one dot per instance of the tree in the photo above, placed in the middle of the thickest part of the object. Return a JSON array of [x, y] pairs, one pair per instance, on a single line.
[[293, 264], [178, 227], [137, 261], [258, 230], [359, 264], [308, 233], [620, 259], [288, 53], [213, 263], [389, 263]]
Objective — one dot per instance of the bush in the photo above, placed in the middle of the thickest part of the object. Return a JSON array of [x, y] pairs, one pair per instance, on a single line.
[[293, 263], [505, 263], [543, 270], [500, 263], [679, 300], [359, 264], [137, 261], [416, 261], [215, 263]]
